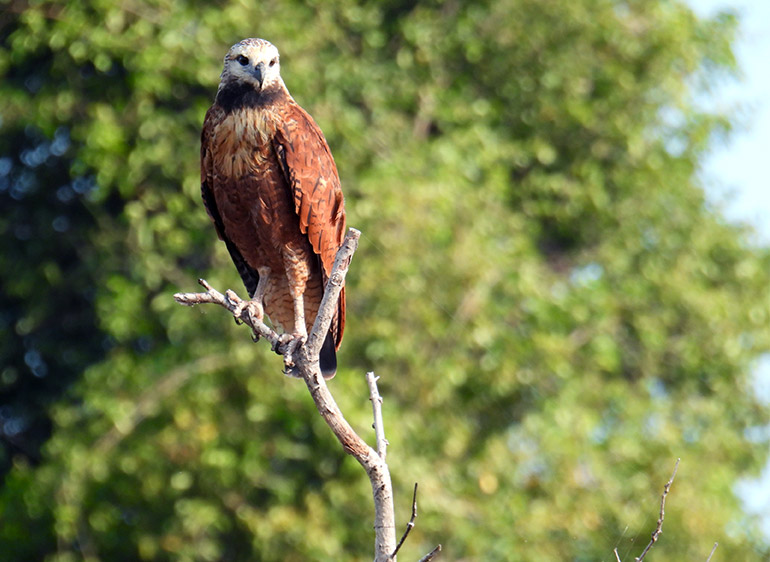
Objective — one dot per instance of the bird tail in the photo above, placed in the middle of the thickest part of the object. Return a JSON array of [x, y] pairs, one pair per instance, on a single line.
[[327, 358]]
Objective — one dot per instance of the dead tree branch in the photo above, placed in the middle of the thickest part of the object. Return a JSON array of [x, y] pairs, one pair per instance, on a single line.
[[304, 363], [235, 305]]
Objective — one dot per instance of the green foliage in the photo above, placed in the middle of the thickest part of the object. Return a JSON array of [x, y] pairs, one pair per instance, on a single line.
[[556, 312]]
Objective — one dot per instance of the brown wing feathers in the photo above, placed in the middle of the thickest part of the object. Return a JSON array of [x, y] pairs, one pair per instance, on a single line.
[[248, 274], [310, 172], [312, 175]]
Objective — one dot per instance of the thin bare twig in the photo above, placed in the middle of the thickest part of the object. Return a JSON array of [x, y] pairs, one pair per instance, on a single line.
[[237, 306], [379, 427], [410, 525], [431, 555], [716, 544], [617, 556], [659, 528]]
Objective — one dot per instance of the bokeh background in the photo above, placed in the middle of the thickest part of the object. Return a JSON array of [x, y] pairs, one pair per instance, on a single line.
[[733, 172], [557, 309]]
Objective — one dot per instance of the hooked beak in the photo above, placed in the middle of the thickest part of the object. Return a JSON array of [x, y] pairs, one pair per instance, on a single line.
[[259, 73]]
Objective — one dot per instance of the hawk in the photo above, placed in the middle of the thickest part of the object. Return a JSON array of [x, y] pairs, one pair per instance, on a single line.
[[271, 187]]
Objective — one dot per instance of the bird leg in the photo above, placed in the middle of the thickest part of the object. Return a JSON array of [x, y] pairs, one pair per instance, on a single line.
[[300, 329], [297, 273], [297, 276], [300, 332], [297, 279]]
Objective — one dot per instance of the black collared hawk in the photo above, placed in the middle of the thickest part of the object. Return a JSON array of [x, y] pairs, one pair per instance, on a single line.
[[271, 187]]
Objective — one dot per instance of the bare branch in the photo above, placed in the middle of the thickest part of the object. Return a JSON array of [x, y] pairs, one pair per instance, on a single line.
[[239, 308], [410, 525], [716, 544], [328, 307], [617, 556], [374, 465], [379, 427], [659, 529], [304, 364], [431, 555]]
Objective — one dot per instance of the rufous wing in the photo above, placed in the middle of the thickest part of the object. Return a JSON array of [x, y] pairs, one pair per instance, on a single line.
[[312, 176]]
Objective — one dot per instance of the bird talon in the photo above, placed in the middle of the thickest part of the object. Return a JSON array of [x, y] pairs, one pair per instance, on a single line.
[[253, 309], [287, 346], [297, 340], [280, 345], [293, 343]]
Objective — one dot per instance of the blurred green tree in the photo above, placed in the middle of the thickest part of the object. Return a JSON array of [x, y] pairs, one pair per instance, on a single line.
[[556, 311]]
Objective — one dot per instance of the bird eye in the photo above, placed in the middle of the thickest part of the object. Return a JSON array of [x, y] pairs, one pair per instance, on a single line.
[[243, 60], [272, 62]]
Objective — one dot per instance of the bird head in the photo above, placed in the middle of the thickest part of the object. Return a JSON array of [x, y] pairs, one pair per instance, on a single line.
[[253, 61]]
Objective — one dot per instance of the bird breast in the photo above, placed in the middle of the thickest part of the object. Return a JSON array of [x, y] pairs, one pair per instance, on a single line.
[[242, 140]]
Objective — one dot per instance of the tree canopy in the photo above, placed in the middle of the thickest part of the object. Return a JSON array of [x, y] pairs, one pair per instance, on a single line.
[[556, 310]]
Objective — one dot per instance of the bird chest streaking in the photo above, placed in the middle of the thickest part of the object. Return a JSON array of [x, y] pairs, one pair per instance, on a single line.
[[271, 187]]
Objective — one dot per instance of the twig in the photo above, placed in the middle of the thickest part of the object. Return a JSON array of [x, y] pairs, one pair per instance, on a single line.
[[410, 525], [716, 544], [659, 529], [235, 305], [379, 427], [617, 556], [431, 555]]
